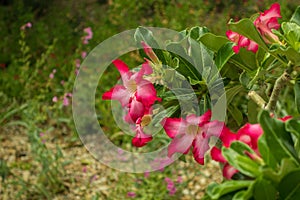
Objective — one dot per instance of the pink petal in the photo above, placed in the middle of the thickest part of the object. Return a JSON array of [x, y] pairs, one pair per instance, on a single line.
[[274, 11], [193, 119], [146, 93], [286, 118], [122, 68], [229, 171], [136, 110], [253, 46], [140, 138], [119, 93], [232, 36], [180, 144], [200, 148], [249, 134], [227, 137], [236, 49], [243, 41], [216, 155], [174, 126]]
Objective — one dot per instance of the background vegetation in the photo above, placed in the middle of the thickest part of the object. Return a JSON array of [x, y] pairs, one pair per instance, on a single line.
[[41, 156]]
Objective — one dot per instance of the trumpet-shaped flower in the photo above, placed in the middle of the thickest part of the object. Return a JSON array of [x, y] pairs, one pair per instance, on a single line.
[[191, 132], [241, 42], [135, 89], [267, 21], [248, 134]]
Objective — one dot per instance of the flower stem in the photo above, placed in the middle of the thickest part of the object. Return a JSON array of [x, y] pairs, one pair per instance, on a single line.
[[279, 84]]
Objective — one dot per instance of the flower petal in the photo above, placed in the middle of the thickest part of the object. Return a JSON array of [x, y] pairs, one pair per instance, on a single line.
[[174, 126], [180, 144], [229, 171], [122, 68], [200, 148], [119, 93], [140, 139], [136, 110], [249, 134], [146, 93], [193, 119], [216, 155]]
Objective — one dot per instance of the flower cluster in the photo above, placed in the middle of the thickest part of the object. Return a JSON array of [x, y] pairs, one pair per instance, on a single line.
[[192, 132], [266, 21], [136, 95]]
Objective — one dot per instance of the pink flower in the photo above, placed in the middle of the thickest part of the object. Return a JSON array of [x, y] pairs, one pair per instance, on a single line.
[[27, 25], [51, 76], [66, 101], [248, 134], [135, 92], [191, 132], [267, 21], [54, 99], [241, 41], [131, 194], [62, 82], [170, 186], [83, 54], [89, 35]]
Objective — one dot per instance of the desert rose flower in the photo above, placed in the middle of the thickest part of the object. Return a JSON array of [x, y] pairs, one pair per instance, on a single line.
[[241, 42], [193, 132], [134, 89], [248, 134], [267, 21]]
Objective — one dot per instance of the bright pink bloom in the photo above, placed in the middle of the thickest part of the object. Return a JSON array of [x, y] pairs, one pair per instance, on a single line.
[[267, 21], [89, 35], [191, 132], [248, 134], [131, 194], [170, 186], [241, 41], [135, 89]]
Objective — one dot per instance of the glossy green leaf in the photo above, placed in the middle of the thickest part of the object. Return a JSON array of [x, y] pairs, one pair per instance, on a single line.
[[224, 54], [296, 16], [275, 175], [264, 189], [197, 31], [216, 191], [236, 114], [244, 194], [213, 42], [235, 155], [266, 153], [292, 34], [290, 53], [246, 28], [297, 94], [278, 140], [186, 66], [289, 187]]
